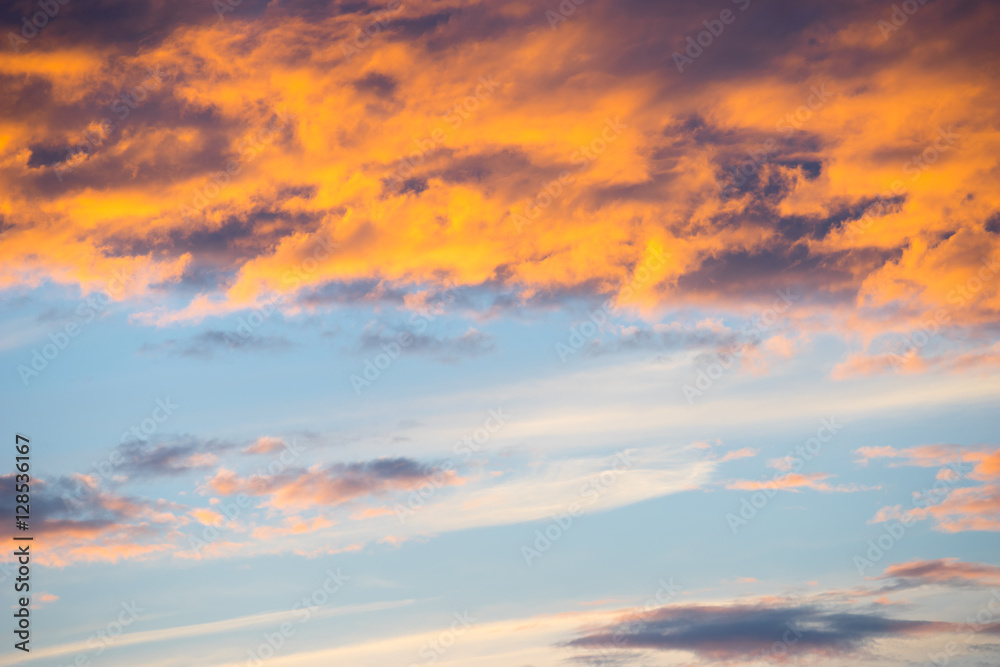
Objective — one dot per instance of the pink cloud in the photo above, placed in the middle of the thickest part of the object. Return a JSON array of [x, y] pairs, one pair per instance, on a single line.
[[746, 452]]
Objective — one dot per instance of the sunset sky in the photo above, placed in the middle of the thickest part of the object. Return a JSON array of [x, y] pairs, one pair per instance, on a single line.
[[503, 333]]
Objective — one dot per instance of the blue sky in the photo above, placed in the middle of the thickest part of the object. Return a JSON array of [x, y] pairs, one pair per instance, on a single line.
[[497, 333], [661, 511]]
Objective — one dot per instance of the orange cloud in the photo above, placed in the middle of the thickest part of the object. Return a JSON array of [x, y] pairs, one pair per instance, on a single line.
[[945, 571], [964, 509], [207, 517], [985, 463], [868, 179], [792, 482], [40, 600], [336, 484], [265, 445], [743, 453], [293, 525], [952, 508]]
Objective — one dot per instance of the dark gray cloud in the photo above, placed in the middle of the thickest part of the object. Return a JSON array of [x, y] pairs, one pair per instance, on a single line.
[[48, 498], [755, 275], [340, 293], [744, 632], [143, 458], [382, 85], [129, 25], [993, 223], [234, 239], [336, 483], [941, 572], [209, 343], [650, 340], [448, 349], [76, 507]]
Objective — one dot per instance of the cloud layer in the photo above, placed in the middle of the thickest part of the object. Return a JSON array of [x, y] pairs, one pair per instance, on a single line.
[[269, 152]]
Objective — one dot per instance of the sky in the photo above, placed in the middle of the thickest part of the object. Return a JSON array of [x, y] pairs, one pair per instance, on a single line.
[[503, 333]]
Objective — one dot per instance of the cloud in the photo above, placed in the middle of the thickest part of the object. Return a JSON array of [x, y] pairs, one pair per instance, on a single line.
[[292, 525], [208, 343], [913, 361], [145, 459], [206, 516], [659, 338], [335, 484], [981, 462], [943, 571], [741, 632], [448, 349], [360, 291], [75, 521], [40, 600], [743, 453], [175, 633], [751, 169], [265, 445], [865, 454], [965, 509], [793, 481], [953, 508], [824, 627], [787, 479]]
